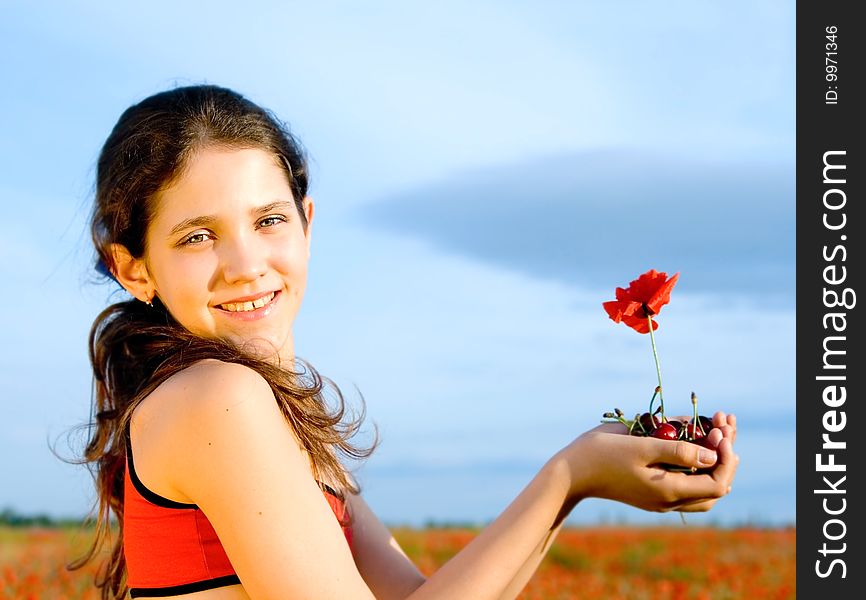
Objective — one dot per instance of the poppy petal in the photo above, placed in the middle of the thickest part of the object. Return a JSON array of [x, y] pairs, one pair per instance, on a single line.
[[643, 288], [662, 295], [613, 310], [617, 310], [623, 295], [644, 295], [638, 324]]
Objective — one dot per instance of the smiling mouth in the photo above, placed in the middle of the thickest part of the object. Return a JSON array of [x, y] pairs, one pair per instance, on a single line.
[[247, 306]]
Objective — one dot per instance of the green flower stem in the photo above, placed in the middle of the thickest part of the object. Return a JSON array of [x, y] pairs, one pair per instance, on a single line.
[[658, 368]]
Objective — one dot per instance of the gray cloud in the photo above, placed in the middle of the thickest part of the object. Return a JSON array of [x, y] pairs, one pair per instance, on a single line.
[[601, 218]]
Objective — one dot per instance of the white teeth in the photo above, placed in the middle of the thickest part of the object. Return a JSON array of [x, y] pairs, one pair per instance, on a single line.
[[247, 306]]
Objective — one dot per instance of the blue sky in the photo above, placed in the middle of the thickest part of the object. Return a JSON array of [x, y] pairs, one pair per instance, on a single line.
[[485, 176]]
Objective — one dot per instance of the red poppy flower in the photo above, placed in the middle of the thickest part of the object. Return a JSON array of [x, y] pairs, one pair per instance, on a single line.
[[644, 297]]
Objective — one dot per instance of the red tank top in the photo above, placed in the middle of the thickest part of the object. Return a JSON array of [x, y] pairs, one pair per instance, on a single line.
[[171, 547]]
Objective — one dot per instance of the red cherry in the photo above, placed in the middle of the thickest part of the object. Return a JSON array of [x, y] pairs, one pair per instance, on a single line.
[[665, 431], [705, 442], [649, 423], [694, 433], [698, 433]]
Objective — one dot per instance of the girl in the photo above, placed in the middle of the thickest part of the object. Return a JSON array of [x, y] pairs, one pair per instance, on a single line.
[[213, 443]]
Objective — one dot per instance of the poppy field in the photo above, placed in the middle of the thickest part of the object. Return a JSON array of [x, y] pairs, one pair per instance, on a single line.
[[628, 563], [633, 563]]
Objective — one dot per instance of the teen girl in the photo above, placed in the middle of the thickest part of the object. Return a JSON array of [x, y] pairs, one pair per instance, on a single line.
[[214, 444]]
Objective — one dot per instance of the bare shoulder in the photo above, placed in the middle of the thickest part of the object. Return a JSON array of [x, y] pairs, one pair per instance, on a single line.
[[203, 385], [232, 452], [207, 394], [193, 408], [195, 391], [211, 402]]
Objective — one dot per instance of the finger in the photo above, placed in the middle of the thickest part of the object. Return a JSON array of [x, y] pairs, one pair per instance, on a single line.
[[611, 428], [691, 490], [736, 461], [714, 437], [719, 419], [710, 485], [697, 506], [702, 505], [726, 467], [726, 423], [681, 454], [728, 432]]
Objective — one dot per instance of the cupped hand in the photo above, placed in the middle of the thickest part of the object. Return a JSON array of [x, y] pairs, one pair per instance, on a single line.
[[606, 462], [724, 427]]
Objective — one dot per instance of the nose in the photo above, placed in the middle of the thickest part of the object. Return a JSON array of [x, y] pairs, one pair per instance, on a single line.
[[243, 260]]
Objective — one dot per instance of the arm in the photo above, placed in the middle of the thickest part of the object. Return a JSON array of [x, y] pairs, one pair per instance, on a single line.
[[724, 426], [386, 569], [243, 465], [603, 463], [485, 567], [531, 565], [390, 573]]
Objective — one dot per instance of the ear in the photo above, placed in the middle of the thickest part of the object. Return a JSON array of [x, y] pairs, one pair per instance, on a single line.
[[131, 273], [309, 211]]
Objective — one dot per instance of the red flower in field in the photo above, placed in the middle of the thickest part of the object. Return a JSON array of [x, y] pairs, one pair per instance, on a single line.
[[644, 297]]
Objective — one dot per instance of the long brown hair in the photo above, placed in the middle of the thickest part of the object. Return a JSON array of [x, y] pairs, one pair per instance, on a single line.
[[134, 347]]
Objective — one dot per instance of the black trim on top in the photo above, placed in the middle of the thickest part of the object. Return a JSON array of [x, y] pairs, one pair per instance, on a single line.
[[155, 498], [150, 496], [325, 487], [186, 588]]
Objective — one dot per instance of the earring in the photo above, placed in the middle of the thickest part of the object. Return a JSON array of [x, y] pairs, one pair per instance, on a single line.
[[149, 301]]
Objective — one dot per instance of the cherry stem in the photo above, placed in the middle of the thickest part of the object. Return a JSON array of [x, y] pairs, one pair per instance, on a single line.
[[653, 399], [619, 419], [697, 422], [658, 368]]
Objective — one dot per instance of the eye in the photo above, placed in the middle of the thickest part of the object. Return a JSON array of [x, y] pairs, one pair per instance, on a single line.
[[194, 239], [272, 221]]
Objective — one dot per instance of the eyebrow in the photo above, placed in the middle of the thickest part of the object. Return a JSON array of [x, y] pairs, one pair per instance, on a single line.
[[204, 220]]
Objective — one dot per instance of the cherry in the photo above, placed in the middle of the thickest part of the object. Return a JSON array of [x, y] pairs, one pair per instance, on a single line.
[[665, 431], [649, 423], [698, 432], [693, 433], [694, 430]]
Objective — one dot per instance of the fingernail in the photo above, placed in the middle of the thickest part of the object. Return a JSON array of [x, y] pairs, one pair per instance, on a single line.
[[707, 456]]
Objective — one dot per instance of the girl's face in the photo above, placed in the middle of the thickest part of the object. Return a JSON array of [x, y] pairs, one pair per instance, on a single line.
[[227, 253]]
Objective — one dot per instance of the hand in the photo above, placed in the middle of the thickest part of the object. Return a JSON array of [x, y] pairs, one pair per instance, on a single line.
[[605, 462], [724, 427]]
